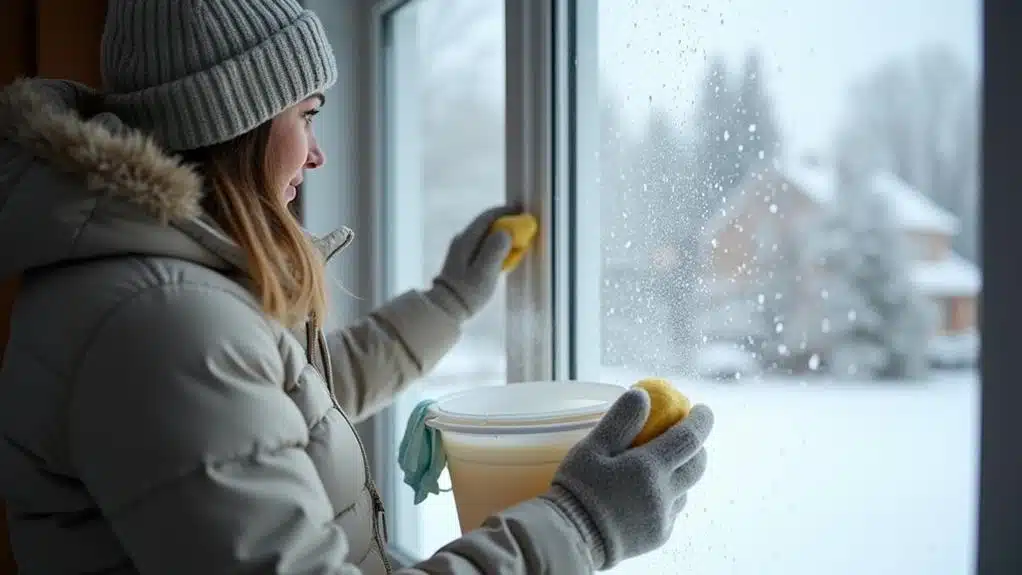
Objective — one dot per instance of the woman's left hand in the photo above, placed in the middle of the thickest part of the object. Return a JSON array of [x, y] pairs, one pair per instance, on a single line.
[[472, 269]]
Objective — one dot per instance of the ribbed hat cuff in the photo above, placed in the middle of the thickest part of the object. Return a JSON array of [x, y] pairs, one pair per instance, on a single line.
[[237, 95]]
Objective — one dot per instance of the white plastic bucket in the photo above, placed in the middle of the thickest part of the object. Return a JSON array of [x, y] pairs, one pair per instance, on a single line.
[[504, 443]]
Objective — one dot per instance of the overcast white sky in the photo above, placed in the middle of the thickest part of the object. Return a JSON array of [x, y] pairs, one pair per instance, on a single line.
[[812, 49]]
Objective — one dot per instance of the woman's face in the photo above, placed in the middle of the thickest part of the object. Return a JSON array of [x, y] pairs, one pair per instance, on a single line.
[[292, 147]]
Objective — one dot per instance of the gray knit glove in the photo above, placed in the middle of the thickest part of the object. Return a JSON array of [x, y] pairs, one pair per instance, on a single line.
[[471, 271], [625, 500]]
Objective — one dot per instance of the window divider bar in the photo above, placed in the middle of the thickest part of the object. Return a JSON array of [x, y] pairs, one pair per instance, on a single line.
[[377, 97], [586, 248], [529, 183], [564, 220]]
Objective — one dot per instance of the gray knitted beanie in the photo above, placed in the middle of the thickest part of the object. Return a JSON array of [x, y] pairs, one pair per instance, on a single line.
[[200, 72]]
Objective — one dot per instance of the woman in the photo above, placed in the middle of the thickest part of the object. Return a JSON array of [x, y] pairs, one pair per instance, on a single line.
[[169, 403]]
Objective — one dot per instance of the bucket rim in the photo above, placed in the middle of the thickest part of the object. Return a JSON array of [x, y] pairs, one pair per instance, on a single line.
[[571, 419]]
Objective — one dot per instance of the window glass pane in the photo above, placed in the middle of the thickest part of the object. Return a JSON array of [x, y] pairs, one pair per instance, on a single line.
[[788, 199], [444, 66]]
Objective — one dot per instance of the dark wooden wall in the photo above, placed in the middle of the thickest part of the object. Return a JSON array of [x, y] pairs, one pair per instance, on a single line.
[[54, 39]]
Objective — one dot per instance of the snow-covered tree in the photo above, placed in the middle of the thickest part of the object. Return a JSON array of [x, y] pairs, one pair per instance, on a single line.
[[755, 135], [671, 229], [735, 135], [879, 322], [779, 302], [735, 127], [921, 114]]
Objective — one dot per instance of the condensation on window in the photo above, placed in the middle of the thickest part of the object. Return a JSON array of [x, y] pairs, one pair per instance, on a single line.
[[789, 195]]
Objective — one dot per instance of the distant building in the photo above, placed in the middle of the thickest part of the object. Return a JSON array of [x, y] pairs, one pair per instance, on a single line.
[[773, 207]]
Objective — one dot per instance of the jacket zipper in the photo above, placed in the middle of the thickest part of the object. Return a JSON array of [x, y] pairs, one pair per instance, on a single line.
[[379, 515]]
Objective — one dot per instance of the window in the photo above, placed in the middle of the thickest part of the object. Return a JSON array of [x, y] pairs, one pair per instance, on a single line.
[[444, 157], [720, 125], [757, 177]]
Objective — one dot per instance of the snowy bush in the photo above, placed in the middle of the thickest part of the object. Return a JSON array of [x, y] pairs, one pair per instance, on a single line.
[[726, 361], [955, 351], [880, 324], [781, 308]]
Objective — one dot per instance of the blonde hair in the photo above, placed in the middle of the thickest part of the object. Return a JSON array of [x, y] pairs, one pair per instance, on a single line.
[[286, 269]]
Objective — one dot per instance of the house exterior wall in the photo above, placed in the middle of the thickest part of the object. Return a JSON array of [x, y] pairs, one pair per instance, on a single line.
[[929, 246], [734, 248], [957, 314], [53, 39], [962, 316]]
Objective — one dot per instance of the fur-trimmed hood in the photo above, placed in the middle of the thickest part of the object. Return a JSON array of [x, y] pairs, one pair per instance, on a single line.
[[76, 183]]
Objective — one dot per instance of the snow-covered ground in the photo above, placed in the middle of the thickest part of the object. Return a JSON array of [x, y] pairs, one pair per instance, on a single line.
[[810, 478]]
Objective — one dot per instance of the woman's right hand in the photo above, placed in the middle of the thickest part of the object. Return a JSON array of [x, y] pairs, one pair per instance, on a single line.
[[625, 500]]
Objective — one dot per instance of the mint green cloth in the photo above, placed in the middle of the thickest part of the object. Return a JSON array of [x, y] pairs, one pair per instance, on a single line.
[[421, 455]]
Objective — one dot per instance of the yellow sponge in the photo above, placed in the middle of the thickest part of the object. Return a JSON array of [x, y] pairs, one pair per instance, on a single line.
[[667, 407], [522, 228]]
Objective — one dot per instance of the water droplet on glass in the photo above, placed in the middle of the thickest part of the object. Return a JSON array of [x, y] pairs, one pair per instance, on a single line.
[[814, 362], [752, 127], [851, 315], [773, 208], [779, 327], [727, 135]]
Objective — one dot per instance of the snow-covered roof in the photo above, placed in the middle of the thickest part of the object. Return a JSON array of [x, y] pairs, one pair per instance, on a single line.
[[951, 276], [912, 210], [818, 184]]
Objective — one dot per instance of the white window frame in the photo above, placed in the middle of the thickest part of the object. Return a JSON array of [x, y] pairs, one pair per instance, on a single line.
[[580, 261], [398, 144], [548, 308], [539, 106], [529, 183]]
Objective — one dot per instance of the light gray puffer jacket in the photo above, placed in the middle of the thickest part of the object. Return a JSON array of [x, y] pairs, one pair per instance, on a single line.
[[153, 420]]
